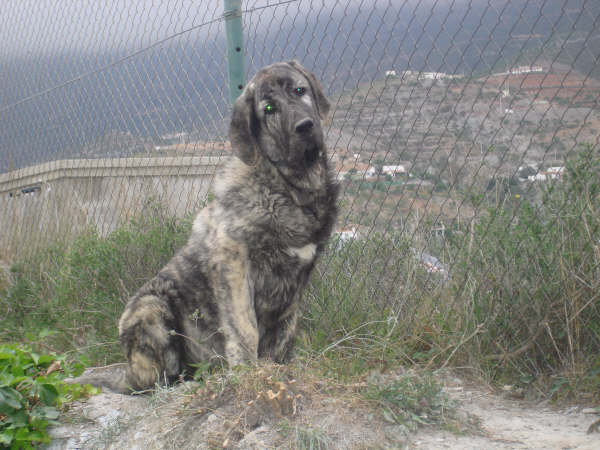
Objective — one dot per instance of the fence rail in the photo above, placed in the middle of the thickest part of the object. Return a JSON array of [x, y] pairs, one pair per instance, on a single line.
[[464, 136]]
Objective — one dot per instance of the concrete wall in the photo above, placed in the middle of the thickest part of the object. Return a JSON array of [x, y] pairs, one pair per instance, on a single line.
[[58, 200]]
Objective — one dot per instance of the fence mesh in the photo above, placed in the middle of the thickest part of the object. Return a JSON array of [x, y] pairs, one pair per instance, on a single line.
[[464, 136]]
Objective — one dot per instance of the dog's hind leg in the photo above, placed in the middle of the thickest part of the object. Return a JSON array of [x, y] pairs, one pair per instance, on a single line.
[[152, 349]]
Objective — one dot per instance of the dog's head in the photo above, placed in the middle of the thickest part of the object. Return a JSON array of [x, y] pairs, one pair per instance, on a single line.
[[278, 117]]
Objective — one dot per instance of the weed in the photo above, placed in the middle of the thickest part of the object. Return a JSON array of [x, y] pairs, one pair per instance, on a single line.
[[533, 280], [521, 300], [311, 439], [109, 434], [412, 400]]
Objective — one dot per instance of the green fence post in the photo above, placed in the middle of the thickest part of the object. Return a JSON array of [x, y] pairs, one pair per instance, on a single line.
[[235, 47]]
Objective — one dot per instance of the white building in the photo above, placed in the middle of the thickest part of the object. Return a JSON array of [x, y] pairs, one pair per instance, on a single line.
[[394, 170], [555, 172], [437, 76], [551, 173], [520, 71], [526, 69], [430, 75], [358, 169], [347, 234]]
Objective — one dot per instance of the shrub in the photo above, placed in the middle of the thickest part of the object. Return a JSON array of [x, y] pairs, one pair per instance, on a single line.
[[521, 301], [368, 305], [413, 400]]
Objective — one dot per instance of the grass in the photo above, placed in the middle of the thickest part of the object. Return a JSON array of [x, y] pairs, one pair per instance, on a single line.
[[80, 291], [304, 437], [406, 399], [109, 434], [311, 439], [521, 304], [413, 400]]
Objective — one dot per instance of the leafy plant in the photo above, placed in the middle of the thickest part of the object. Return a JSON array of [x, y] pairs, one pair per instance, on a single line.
[[32, 393], [306, 438]]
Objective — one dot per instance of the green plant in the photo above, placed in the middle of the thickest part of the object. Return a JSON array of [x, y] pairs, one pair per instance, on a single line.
[[412, 400], [520, 300], [311, 439], [32, 392], [530, 283], [109, 434], [305, 438], [352, 310]]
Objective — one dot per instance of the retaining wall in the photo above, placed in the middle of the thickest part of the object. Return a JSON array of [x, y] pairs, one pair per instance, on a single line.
[[60, 199]]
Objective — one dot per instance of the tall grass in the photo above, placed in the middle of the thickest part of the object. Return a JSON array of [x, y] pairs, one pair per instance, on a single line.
[[80, 290], [532, 279], [521, 302]]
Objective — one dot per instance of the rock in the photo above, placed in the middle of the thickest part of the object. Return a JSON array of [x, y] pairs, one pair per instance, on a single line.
[[256, 438], [102, 413]]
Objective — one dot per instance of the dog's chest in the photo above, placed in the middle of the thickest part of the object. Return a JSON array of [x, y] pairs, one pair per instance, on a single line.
[[305, 254], [278, 278]]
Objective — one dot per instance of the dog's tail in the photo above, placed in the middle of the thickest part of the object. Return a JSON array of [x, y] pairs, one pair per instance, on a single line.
[[112, 378]]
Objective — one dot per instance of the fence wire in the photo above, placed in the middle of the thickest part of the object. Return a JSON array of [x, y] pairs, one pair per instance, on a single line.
[[464, 136]]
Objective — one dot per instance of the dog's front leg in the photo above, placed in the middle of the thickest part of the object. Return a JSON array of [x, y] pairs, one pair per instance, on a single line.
[[235, 302], [278, 341]]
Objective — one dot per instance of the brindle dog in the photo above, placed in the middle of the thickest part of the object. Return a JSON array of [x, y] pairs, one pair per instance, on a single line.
[[233, 291]]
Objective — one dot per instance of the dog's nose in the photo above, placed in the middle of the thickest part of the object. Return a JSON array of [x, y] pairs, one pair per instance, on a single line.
[[304, 125]]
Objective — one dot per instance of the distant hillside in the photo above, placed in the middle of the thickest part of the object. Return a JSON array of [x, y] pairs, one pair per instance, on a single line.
[[540, 117], [457, 137]]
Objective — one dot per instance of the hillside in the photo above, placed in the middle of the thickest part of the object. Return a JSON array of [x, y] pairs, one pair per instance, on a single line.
[[460, 137]]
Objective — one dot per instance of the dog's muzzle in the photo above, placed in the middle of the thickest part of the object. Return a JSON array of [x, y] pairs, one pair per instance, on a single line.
[[311, 155], [305, 131], [304, 126]]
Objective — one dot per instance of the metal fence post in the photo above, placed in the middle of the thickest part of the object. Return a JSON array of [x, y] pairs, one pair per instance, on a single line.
[[235, 46]]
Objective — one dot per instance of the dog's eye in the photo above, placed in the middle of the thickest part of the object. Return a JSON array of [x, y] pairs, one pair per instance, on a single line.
[[269, 108], [299, 91]]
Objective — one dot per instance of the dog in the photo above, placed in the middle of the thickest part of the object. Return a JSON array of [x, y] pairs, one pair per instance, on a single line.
[[232, 293]]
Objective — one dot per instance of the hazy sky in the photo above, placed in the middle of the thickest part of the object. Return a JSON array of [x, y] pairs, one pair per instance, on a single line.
[[31, 26], [28, 27]]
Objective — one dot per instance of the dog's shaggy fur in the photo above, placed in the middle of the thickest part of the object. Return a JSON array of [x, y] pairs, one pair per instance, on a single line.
[[233, 291]]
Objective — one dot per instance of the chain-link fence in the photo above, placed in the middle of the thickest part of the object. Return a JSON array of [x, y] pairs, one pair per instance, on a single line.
[[464, 135]]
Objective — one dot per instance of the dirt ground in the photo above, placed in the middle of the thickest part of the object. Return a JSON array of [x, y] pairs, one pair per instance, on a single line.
[[513, 424], [268, 414]]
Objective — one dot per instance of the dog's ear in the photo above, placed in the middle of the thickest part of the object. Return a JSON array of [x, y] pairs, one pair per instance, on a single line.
[[322, 102], [242, 127]]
